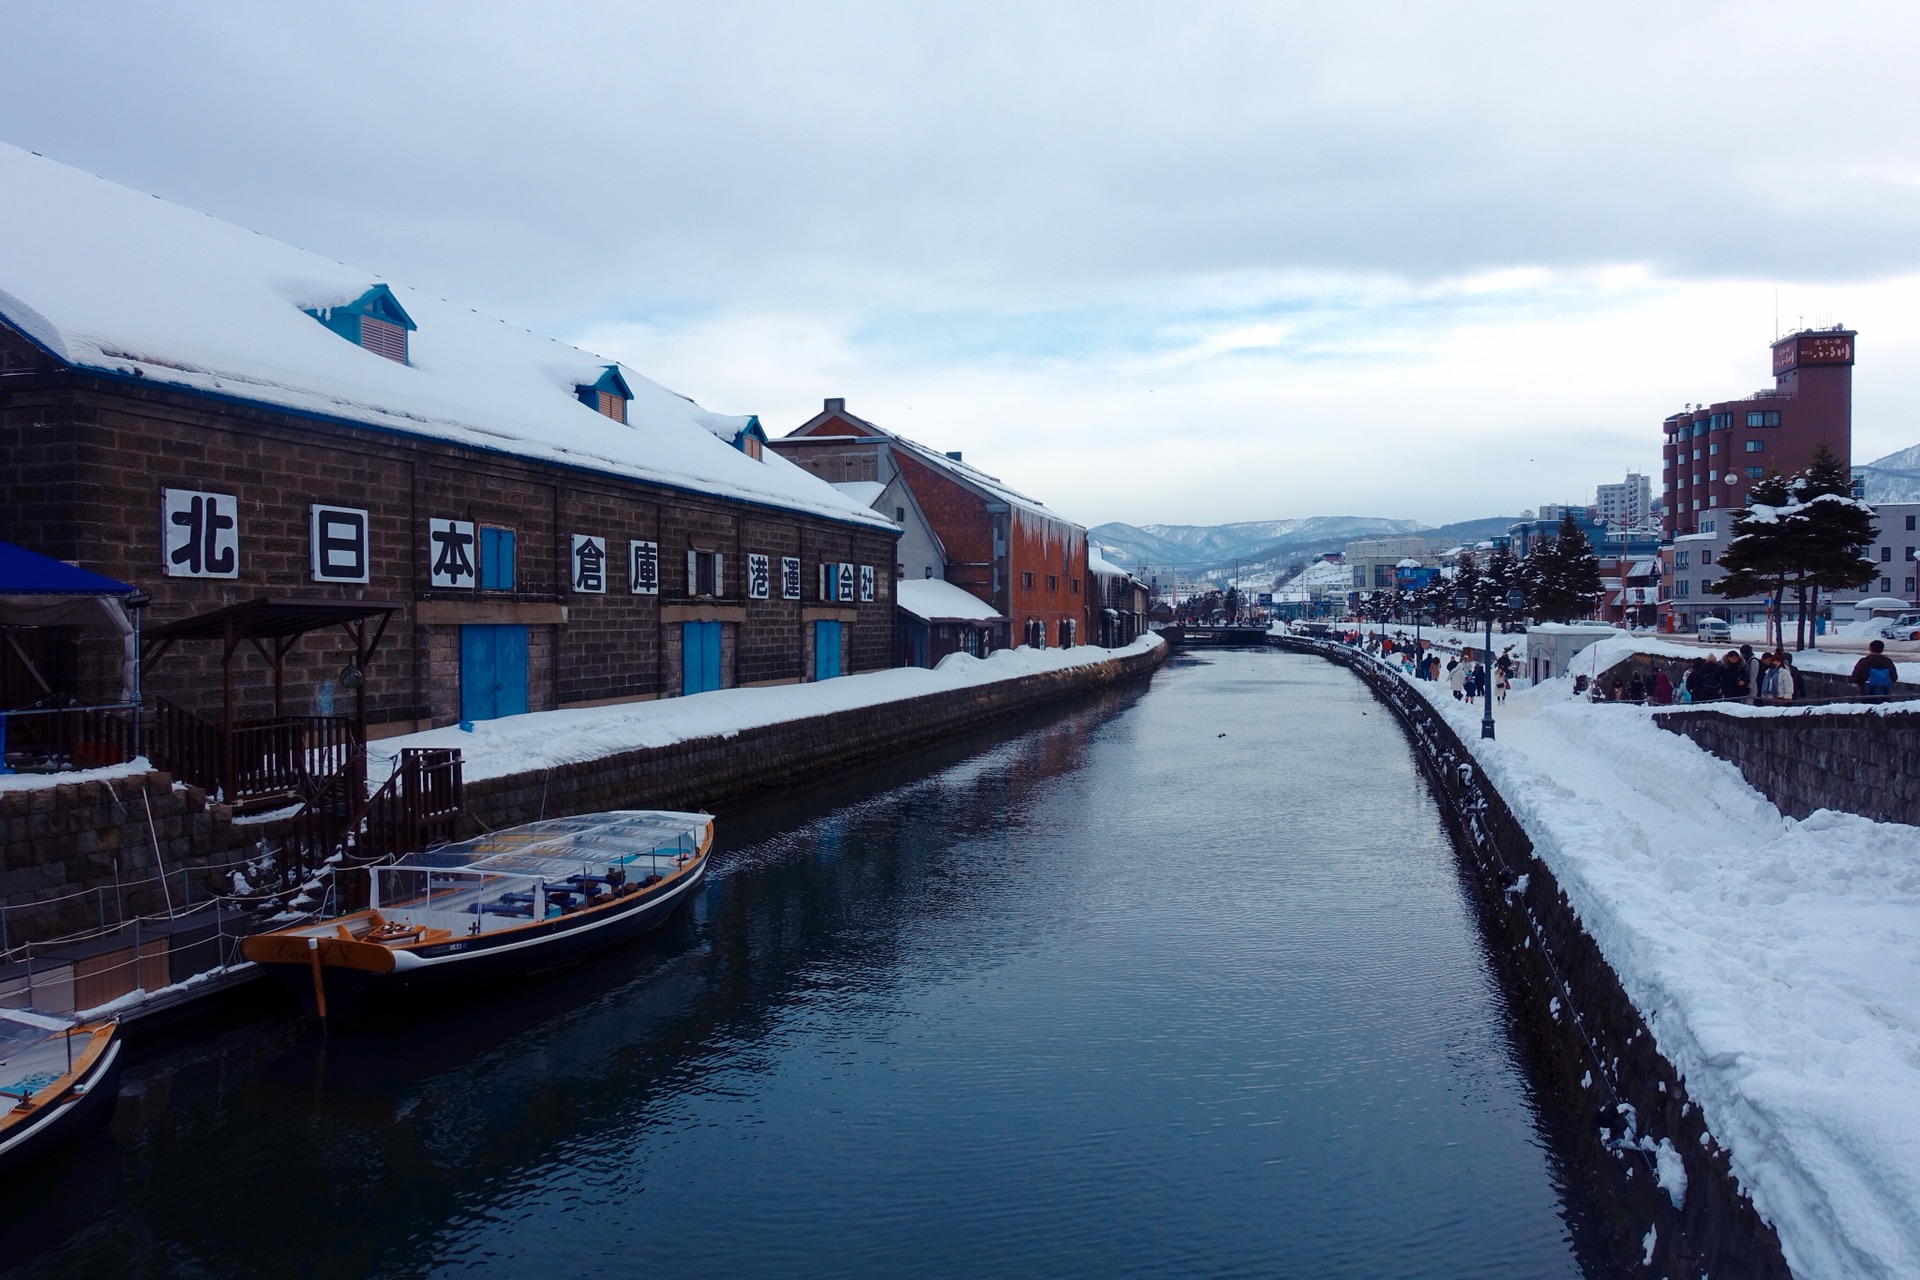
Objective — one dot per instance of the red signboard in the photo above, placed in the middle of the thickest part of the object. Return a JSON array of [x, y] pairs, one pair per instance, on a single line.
[[1813, 348]]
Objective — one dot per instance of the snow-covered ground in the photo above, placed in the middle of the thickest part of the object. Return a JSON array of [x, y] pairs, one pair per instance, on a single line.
[[1776, 962], [544, 738], [39, 781]]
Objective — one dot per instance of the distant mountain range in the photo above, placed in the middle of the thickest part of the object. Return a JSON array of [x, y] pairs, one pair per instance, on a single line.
[[1266, 549], [1894, 478]]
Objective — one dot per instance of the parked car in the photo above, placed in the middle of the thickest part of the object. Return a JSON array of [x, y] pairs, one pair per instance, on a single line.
[[1904, 627], [1712, 631]]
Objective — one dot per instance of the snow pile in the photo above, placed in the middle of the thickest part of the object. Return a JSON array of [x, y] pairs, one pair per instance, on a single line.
[[542, 739], [41, 781], [133, 286], [1776, 962], [936, 599]]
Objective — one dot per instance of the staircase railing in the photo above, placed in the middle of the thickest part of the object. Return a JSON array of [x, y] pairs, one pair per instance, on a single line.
[[417, 807]]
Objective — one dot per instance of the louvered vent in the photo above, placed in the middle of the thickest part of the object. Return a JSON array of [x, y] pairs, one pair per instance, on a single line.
[[384, 339]]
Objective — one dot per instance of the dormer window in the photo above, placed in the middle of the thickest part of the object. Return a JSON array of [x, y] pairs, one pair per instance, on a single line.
[[752, 439], [375, 320], [608, 397]]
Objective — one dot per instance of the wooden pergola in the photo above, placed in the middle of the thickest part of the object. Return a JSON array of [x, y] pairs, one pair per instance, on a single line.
[[273, 626]]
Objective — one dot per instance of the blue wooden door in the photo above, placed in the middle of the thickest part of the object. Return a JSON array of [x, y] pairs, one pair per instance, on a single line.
[[699, 657], [826, 650], [493, 671]]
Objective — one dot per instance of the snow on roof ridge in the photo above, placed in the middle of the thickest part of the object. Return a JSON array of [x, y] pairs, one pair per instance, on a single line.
[[127, 283]]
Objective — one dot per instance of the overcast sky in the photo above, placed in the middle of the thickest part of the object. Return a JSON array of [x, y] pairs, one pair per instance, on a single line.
[[1150, 262]]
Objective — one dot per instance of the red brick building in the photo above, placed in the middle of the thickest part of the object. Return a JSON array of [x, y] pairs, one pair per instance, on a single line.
[[216, 418], [1007, 549], [1711, 455]]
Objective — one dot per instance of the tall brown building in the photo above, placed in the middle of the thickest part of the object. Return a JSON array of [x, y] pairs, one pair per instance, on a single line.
[[1714, 453]]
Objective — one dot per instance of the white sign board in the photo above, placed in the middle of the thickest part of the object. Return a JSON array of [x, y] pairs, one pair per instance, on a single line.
[[338, 536], [450, 553], [200, 533]]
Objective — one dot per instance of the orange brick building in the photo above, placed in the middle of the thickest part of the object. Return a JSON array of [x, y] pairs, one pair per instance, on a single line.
[[1007, 549]]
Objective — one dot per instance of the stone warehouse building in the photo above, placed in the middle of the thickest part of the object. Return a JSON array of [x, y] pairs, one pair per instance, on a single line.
[[959, 523], [219, 419]]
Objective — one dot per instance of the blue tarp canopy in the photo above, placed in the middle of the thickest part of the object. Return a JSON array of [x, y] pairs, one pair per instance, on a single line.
[[28, 573]]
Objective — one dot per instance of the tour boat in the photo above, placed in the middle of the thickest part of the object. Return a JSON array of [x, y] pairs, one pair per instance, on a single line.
[[517, 901], [57, 1077]]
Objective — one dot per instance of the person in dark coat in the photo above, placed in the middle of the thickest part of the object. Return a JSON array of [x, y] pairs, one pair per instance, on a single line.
[[1705, 680], [1636, 689], [1876, 674], [1733, 680], [1662, 688]]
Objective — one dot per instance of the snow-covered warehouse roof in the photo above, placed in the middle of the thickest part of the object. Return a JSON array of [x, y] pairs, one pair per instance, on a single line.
[[1097, 563], [936, 600], [124, 284]]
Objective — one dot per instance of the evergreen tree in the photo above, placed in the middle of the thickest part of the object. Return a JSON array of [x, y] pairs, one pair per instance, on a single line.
[[1835, 530], [1759, 556], [1500, 580], [1562, 575], [1466, 581]]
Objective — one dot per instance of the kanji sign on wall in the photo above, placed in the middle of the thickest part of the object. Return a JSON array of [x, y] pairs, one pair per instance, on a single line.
[[200, 533], [866, 582], [589, 564], [338, 536], [644, 567], [846, 583], [789, 577], [759, 576], [450, 553]]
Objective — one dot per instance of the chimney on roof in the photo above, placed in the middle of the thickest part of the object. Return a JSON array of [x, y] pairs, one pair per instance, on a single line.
[[954, 454], [836, 404]]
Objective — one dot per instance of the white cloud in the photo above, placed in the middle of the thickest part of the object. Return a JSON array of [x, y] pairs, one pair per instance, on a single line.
[[1232, 261]]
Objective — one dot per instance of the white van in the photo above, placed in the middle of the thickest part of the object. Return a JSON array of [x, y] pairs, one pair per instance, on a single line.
[[1712, 631]]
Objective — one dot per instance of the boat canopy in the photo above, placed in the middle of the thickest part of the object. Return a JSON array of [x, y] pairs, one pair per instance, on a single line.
[[552, 847]]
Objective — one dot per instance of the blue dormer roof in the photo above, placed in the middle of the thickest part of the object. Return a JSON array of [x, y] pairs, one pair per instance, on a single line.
[[754, 429], [377, 302], [610, 382]]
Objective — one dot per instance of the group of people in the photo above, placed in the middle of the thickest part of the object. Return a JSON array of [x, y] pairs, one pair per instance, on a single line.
[[1739, 675]]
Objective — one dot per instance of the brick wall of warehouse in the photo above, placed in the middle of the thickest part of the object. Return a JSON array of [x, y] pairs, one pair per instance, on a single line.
[[86, 458]]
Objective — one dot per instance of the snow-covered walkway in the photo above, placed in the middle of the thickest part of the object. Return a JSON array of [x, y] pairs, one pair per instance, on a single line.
[[1777, 962], [541, 739]]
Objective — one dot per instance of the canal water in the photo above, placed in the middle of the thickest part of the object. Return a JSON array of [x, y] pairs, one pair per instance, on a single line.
[[1183, 981]]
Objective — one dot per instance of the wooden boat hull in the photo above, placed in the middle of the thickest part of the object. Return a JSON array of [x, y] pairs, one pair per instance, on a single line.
[[358, 976], [85, 1105]]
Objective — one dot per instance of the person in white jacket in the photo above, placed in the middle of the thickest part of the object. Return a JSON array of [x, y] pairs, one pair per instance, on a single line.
[[1457, 678]]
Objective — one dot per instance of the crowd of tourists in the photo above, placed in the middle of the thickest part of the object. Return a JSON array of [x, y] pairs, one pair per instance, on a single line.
[[1740, 675]]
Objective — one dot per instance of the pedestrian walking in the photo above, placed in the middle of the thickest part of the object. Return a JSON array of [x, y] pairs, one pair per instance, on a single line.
[[1457, 676], [1662, 694], [1500, 684]]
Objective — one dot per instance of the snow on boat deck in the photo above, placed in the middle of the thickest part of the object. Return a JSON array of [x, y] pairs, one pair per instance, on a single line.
[[1777, 962]]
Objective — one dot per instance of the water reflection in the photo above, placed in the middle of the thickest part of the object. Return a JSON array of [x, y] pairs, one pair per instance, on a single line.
[[1176, 982]]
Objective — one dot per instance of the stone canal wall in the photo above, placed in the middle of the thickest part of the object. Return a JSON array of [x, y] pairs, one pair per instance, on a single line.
[[79, 855], [1852, 762], [706, 772], [1600, 1062]]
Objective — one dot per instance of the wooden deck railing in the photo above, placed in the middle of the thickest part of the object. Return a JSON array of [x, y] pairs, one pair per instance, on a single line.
[[71, 737], [286, 758]]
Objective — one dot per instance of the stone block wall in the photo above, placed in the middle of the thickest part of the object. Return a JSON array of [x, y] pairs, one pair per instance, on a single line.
[[1867, 764], [70, 852], [707, 772], [1596, 1053]]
